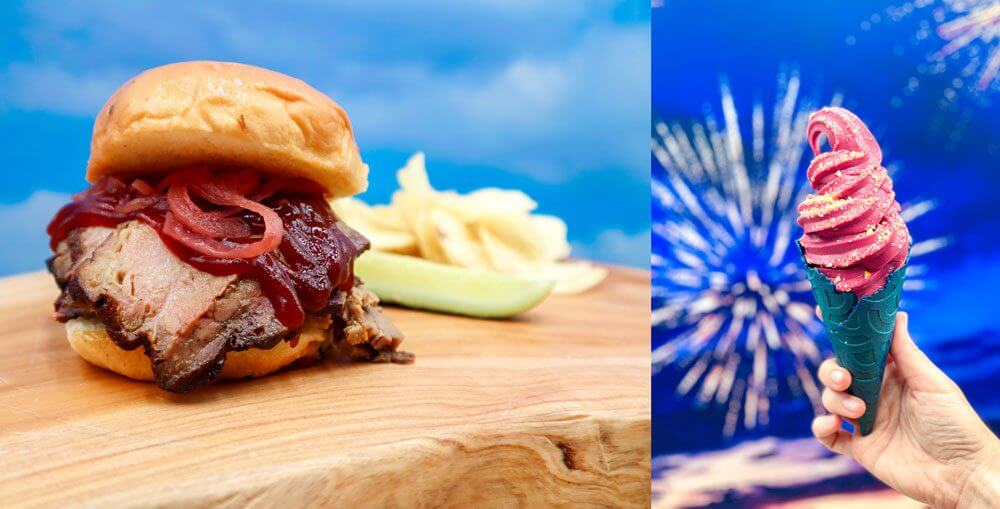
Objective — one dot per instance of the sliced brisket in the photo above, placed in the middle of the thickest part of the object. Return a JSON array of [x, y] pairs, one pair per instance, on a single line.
[[186, 319], [365, 333], [78, 246], [240, 318], [141, 291]]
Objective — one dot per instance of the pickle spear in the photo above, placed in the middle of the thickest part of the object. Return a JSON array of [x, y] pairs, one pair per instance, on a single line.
[[418, 283]]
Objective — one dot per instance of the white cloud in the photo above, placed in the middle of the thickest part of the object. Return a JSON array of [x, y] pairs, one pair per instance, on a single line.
[[616, 246], [25, 222], [549, 118], [544, 89]]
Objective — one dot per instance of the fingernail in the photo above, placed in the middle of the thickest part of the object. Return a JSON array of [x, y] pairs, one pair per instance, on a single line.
[[852, 405], [837, 376]]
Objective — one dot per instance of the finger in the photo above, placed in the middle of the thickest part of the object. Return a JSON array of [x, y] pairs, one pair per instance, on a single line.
[[819, 313], [843, 404], [911, 362], [826, 429], [904, 351], [834, 376], [824, 426]]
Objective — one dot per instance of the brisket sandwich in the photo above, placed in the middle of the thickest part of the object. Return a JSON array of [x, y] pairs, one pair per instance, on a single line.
[[205, 247]]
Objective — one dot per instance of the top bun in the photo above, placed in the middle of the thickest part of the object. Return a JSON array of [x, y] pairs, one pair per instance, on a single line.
[[226, 115]]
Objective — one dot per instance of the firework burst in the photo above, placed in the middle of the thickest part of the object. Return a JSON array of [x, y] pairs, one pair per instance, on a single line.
[[732, 308], [969, 31], [975, 22]]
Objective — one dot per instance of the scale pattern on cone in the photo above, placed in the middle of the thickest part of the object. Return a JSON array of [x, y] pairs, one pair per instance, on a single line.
[[861, 332]]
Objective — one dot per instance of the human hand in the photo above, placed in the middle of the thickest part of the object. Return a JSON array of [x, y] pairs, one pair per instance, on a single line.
[[927, 442]]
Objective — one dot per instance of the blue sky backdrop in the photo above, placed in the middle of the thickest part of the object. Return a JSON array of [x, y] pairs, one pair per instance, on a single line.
[[548, 97]]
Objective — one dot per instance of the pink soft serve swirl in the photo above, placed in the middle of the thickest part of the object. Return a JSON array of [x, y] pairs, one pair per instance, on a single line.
[[853, 232]]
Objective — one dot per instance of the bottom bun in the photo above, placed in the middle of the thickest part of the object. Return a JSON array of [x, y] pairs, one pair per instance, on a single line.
[[90, 340]]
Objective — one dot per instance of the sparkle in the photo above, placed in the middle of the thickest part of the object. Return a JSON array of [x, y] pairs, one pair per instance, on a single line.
[[975, 22], [732, 310], [967, 42]]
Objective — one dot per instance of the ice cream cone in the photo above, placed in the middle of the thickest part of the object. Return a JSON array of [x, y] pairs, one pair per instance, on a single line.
[[861, 332]]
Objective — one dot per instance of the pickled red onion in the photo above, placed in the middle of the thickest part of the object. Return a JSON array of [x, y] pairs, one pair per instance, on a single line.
[[221, 195], [198, 229], [214, 224], [137, 204], [207, 245], [143, 187]]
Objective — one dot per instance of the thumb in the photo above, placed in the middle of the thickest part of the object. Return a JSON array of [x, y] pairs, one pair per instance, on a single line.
[[907, 356]]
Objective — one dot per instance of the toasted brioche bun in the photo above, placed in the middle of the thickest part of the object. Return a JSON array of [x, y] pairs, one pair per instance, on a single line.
[[90, 340], [226, 115]]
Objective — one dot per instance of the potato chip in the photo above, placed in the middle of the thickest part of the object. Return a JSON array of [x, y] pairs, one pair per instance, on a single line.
[[503, 257], [551, 233], [388, 218], [457, 243], [428, 238], [410, 207], [361, 217], [573, 277], [392, 242], [521, 233], [489, 228], [474, 206], [413, 176], [349, 208]]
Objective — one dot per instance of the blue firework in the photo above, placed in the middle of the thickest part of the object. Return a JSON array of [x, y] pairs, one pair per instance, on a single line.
[[732, 310], [970, 30]]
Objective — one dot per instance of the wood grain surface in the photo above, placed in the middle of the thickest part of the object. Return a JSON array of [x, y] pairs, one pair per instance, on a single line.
[[550, 409]]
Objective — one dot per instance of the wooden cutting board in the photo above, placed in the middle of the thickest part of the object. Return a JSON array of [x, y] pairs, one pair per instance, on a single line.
[[551, 408]]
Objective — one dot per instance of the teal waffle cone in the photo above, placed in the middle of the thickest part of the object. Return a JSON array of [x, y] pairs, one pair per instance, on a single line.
[[861, 332]]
